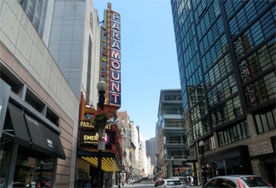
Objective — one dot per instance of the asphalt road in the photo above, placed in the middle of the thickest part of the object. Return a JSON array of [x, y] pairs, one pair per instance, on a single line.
[[146, 184]]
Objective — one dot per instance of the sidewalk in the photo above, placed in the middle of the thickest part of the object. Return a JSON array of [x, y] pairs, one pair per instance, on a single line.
[[116, 186]]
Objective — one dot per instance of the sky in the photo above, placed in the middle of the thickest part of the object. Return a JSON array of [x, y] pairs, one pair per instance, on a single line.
[[148, 57]]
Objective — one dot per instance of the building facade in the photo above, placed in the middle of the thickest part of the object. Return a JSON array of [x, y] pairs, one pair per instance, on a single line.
[[226, 58], [151, 150], [74, 42], [38, 117], [172, 150]]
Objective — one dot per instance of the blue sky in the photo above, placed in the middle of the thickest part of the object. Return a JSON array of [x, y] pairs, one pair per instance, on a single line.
[[148, 57]]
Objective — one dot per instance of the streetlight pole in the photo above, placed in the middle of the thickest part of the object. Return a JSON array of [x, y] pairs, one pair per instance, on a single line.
[[201, 145], [101, 86]]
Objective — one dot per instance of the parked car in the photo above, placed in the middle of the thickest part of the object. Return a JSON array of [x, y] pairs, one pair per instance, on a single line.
[[183, 180], [170, 183], [237, 181]]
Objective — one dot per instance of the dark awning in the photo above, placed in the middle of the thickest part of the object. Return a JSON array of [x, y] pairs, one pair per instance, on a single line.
[[43, 139], [21, 134]]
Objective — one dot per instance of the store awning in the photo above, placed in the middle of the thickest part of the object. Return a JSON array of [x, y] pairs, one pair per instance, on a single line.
[[21, 134], [109, 164], [43, 139]]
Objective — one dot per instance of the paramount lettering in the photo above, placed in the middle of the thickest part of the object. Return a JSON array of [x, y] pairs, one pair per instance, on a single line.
[[117, 75], [115, 64], [115, 95], [116, 26], [115, 45], [115, 87], [115, 16], [115, 54], [116, 35]]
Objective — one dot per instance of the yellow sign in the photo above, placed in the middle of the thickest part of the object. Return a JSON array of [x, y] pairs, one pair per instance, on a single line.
[[88, 124], [91, 137]]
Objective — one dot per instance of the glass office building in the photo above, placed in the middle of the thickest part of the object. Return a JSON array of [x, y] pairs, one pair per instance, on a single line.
[[226, 57]]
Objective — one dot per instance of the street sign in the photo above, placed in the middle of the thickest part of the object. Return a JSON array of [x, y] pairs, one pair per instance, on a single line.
[[101, 144]]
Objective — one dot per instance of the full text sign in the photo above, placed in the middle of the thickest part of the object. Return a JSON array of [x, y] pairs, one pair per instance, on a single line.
[[111, 56]]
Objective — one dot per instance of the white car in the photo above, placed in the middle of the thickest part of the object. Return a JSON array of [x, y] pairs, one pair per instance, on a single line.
[[237, 181], [170, 183]]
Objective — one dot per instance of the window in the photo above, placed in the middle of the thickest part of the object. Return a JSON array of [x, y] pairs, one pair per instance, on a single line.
[[88, 76], [265, 121], [262, 90], [227, 183], [31, 169], [254, 35], [34, 101], [233, 134], [36, 12]]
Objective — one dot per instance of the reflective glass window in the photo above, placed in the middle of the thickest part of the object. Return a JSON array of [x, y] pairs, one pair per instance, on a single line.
[[265, 121], [233, 134]]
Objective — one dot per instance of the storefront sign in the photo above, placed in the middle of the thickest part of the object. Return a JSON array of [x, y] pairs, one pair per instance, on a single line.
[[86, 124], [90, 138]]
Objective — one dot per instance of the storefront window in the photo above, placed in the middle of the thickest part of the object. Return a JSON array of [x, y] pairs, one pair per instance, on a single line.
[[6, 146], [32, 170]]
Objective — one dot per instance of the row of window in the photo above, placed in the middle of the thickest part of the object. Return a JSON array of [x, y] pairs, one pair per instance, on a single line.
[[220, 70], [174, 123], [198, 111], [187, 37], [192, 66], [232, 6], [196, 78], [262, 90], [207, 19], [233, 134], [223, 90], [190, 51], [254, 35], [174, 139], [201, 128], [263, 59], [195, 95], [265, 121], [198, 7], [173, 97], [246, 15], [215, 53], [211, 37], [177, 153], [36, 12], [226, 112], [172, 108], [210, 144]]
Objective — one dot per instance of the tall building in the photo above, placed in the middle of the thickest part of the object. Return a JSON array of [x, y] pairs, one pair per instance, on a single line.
[[123, 122], [226, 58], [172, 151], [151, 150], [74, 42], [38, 114]]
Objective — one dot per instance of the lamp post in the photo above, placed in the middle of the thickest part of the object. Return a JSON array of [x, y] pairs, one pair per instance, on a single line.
[[101, 86], [201, 145]]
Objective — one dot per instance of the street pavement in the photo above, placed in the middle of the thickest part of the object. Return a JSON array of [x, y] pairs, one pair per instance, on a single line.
[[147, 184]]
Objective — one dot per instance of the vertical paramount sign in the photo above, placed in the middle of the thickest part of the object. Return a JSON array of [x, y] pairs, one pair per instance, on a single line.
[[111, 57]]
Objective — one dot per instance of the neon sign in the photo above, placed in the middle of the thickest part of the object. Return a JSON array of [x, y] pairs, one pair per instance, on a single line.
[[110, 69]]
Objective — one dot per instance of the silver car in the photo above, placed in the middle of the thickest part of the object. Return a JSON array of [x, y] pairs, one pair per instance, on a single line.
[[170, 183], [237, 181]]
